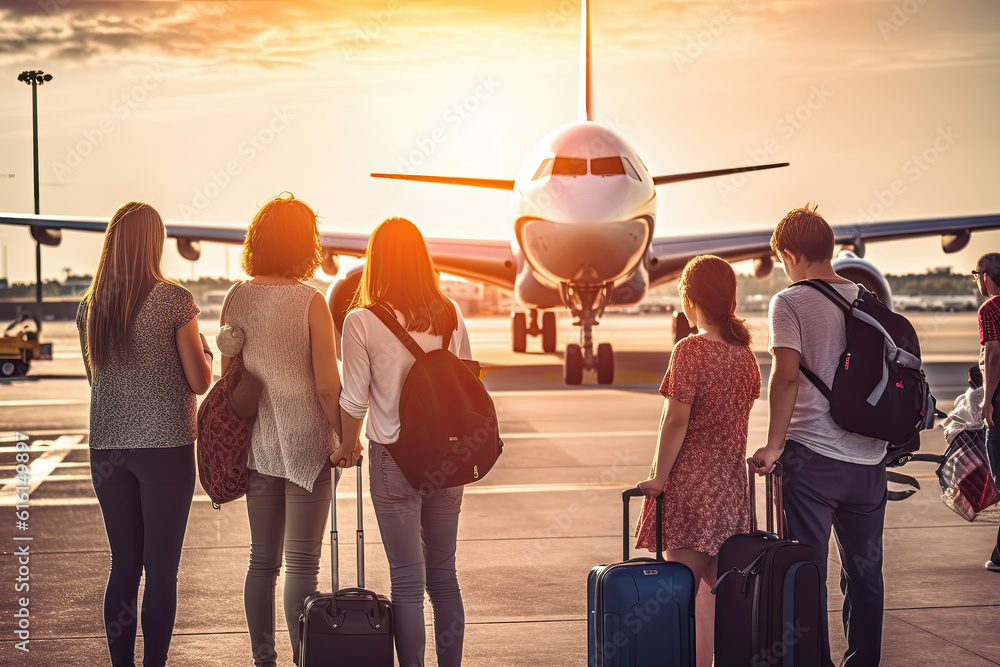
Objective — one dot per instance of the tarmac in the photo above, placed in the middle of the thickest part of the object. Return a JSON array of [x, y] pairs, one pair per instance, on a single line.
[[529, 532]]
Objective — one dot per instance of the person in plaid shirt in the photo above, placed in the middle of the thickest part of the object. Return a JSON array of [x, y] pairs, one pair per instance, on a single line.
[[987, 276]]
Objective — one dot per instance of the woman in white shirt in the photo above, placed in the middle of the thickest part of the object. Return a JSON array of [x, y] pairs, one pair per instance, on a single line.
[[419, 527]]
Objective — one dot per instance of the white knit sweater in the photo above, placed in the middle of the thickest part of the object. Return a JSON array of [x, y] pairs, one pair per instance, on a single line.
[[292, 438]]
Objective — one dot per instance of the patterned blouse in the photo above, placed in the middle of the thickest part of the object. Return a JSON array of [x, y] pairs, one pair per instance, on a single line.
[[144, 401]]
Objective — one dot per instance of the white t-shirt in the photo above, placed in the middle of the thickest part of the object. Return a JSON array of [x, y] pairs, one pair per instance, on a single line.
[[376, 364], [802, 319]]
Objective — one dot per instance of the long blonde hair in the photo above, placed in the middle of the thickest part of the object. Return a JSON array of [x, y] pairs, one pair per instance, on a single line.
[[399, 272], [127, 272]]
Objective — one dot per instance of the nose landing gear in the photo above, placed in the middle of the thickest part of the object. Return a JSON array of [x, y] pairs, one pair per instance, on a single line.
[[587, 305]]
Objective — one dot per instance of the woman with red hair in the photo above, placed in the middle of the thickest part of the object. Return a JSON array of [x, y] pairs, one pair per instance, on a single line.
[[284, 330]]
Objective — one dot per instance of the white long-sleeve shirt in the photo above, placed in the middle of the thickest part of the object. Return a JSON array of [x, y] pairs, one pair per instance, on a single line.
[[376, 364]]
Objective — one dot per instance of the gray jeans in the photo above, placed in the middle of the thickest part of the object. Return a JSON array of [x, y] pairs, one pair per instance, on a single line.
[[419, 531], [284, 517]]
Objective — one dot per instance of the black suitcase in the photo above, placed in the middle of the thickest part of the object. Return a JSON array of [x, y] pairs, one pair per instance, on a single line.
[[767, 606], [641, 611], [352, 626]]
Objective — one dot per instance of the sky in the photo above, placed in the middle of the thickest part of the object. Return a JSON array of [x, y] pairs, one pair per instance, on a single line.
[[885, 110]]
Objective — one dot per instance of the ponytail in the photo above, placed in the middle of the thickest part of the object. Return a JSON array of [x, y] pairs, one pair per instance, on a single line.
[[736, 332], [711, 283]]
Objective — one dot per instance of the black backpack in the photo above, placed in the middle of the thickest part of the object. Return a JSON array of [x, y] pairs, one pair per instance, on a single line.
[[449, 434], [879, 389]]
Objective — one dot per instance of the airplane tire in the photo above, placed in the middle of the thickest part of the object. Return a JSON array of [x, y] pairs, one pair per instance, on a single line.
[[682, 329], [519, 332], [573, 365], [548, 332], [8, 369], [605, 364]]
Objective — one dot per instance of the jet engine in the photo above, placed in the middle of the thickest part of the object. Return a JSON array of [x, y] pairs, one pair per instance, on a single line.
[[339, 297], [849, 265], [46, 235]]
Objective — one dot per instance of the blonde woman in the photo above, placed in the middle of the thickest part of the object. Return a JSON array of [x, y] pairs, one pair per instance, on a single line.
[[287, 342], [145, 360], [419, 527]]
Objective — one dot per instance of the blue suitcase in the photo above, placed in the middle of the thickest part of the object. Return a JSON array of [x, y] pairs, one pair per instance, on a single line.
[[640, 612]]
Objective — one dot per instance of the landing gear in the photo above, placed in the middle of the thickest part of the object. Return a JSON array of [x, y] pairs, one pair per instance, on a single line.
[[587, 305], [548, 332], [573, 365], [605, 364], [682, 329], [519, 332], [521, 329]]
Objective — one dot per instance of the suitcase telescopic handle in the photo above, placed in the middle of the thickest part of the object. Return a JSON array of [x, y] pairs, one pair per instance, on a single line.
[[334, 537], [773, 500], [628, 494]]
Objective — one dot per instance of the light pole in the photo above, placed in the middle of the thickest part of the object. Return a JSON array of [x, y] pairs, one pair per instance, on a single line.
[[35, 78]]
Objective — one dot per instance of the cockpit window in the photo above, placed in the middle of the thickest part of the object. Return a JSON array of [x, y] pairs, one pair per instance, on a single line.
[[544, 169], [612, 165], [569, 166], [630, 169], [607, 166]]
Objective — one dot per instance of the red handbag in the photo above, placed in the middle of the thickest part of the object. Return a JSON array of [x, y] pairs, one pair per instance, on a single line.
[[225, 422]]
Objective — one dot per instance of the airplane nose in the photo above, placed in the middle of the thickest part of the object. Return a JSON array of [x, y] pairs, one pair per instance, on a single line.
[[591, 253]]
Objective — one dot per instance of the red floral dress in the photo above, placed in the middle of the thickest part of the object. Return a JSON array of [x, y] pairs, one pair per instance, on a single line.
[[706, 499]]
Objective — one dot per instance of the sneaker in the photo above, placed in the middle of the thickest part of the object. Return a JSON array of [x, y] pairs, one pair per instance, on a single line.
[[992, 567]]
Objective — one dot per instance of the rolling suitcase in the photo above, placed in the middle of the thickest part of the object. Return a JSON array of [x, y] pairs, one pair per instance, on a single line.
[[641, 611], [767, 605], [352, 626]]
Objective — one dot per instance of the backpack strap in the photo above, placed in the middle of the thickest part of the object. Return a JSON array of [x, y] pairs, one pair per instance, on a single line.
[[389, 320], [838, 300]]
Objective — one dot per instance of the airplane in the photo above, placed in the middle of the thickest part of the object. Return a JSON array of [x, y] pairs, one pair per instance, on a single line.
[[584, 219]]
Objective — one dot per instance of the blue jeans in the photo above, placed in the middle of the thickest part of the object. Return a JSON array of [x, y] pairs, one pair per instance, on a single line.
[[993, 456], [821, 493], [419, 531]]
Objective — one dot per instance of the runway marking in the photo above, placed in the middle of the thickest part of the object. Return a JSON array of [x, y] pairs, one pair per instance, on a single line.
[[11, 436], [53, 454], [32, 403], [575, 435], [484, 490]]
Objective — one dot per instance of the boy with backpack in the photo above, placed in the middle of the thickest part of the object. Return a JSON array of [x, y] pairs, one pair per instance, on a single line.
[[987, 275], [832, 478]]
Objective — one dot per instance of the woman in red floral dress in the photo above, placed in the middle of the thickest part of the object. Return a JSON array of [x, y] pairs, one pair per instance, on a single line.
[[699, 465]]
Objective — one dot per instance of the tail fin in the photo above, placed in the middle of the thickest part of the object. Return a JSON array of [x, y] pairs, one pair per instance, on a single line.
[[586, 108]]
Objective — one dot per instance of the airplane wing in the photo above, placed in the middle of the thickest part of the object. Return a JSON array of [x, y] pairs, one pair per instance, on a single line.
[[670, 254], [487, 261]]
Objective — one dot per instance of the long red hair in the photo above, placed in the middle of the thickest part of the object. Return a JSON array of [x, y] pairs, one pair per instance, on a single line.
[[399, 273]]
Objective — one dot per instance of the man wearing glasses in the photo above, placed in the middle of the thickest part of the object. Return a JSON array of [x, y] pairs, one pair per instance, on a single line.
[[987, 275]]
